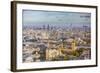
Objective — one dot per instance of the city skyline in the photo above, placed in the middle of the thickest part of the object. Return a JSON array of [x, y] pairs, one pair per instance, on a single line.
[[56, 36]]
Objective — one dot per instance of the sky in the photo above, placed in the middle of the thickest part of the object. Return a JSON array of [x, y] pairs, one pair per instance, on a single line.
[[55, 18]]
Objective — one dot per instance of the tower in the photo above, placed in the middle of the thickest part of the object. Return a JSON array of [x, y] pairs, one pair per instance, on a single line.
[[43, 27], [48, 27], [73, 45]]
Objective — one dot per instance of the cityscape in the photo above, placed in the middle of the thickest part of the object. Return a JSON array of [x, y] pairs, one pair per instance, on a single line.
[[55, 41]]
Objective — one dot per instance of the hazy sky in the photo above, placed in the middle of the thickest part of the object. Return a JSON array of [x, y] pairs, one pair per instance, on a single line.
[[39, 18]]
